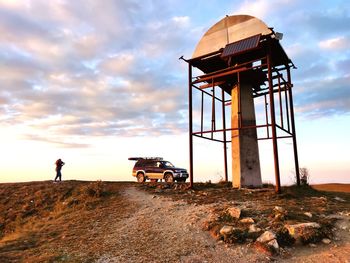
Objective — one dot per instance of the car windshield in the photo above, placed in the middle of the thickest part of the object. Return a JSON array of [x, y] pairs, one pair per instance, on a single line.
[[168, 164]]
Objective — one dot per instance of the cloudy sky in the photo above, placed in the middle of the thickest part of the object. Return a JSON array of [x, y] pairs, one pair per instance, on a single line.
[[94, 82]]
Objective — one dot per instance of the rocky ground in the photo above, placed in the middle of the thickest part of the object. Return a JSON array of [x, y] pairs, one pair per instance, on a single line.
[[127, 222]]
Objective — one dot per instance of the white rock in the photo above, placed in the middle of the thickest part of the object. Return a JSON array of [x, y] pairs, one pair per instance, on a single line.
[[308, 214], [247, 220], [253, 229], [226, 230], [266, 237], [326, 241], [235, 212], [273, 243], [279, 209], [312, 245], [339, 199]]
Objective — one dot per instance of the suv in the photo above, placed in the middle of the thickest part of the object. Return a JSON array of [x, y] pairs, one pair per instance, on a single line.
[[155, 168]]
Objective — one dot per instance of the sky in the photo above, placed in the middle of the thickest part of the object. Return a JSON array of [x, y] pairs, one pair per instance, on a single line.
[[96, 82]]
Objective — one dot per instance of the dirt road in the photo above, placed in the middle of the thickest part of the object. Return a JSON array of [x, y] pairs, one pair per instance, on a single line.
[[134, 225], [161, 230]]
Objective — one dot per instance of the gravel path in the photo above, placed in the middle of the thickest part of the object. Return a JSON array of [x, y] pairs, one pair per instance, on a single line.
[[162, 230]]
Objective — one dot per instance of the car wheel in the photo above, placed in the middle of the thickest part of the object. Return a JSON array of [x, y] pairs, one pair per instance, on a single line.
[[169, 178], [140, 177]]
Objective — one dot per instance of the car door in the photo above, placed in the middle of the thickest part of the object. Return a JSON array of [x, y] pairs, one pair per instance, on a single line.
[[157, 170]]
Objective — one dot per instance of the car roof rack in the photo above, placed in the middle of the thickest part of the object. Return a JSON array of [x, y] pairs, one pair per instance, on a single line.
[[145, 158]]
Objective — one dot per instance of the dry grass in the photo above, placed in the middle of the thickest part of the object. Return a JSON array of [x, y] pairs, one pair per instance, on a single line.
[[50, 222], [345, 188], [69, 221]]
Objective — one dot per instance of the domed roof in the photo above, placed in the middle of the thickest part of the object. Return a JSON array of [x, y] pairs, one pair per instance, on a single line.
[[228, 30]]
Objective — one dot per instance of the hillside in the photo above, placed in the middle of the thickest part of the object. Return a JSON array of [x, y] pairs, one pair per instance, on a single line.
[[345, 188], [75, 221]]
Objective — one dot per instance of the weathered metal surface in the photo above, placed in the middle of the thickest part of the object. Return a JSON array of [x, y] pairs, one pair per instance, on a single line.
[[229, 30]]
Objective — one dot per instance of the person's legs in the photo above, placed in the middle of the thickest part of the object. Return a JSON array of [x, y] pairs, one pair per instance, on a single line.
[[58, 175]]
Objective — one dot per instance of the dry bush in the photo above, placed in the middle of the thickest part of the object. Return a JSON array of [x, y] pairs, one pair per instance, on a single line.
[[304, 176], [95, 189]]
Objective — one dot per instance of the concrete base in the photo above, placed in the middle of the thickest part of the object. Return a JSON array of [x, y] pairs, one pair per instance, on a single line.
[[245, 151]]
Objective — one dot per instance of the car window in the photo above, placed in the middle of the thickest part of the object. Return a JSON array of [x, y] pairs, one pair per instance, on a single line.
[[153, 164], [168, 164]]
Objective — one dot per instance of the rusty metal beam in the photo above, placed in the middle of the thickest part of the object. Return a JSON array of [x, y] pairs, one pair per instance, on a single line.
[[224, 133], [210, 139], [267, 117], [213, 116], [233, 129], [283, 129], [273, 125], [202, 112], [295, 148], [190, 128], [287, 107], [225, 73], [202, 90], [209, 85], [280, 100], [249, 63], [279, 137]]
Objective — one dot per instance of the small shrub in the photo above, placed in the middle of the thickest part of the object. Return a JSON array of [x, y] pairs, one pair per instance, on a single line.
[[237, 236], [94, 189], [304, 176]]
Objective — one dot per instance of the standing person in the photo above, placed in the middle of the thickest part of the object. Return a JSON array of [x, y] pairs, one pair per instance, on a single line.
[[59, 163]]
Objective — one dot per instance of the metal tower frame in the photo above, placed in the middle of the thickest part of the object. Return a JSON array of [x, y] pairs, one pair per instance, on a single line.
[[268, 63]]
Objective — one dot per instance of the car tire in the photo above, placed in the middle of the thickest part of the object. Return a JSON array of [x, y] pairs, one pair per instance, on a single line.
[[141, 177], [168, 178]]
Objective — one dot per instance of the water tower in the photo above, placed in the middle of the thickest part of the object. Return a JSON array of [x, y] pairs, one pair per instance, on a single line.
[[239, 61]]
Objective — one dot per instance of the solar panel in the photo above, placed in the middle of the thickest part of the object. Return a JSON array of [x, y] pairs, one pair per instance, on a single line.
[[241, 46]]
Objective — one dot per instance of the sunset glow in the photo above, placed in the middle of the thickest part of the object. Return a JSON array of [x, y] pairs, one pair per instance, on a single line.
[[96, 82]]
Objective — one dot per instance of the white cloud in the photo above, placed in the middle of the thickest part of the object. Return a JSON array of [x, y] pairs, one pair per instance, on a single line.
[[118, 64], [182, 21], [262, 8], [108, 67], [337, 43], [257, 8]]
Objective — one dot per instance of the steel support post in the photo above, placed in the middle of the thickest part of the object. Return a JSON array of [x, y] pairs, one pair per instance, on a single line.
[[273, 125], [287, 107], [190, 128], [224, 132], [266, 117], [202, 112], [280, 100], [293, 127], [213, 113]]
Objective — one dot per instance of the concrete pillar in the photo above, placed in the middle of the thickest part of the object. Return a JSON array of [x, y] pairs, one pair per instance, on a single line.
[[245, 151]]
